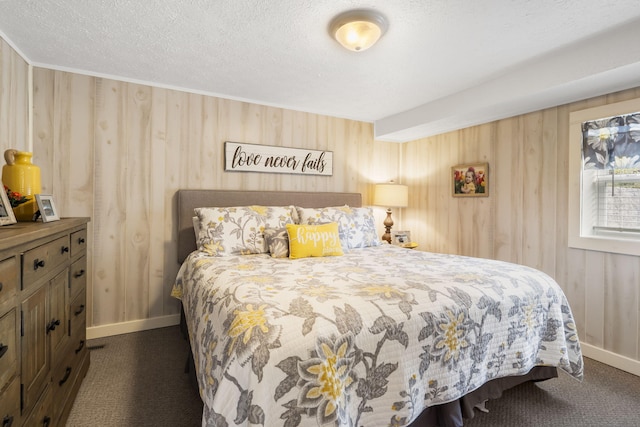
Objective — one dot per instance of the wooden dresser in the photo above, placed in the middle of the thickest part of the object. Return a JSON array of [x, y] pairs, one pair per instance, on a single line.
[[43, 356]]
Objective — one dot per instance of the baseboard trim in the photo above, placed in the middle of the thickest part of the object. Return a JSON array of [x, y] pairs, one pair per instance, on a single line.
[[612, 359], [132, 326]]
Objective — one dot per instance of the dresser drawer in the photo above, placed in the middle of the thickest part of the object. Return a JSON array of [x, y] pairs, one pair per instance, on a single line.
[[8, 279], [8, 365], [65, 374], [78, 242], [78, 279], [64, 377], [58, 319], [78, 316], [42, 414], [41, 260], [78, 345], [10, 404]]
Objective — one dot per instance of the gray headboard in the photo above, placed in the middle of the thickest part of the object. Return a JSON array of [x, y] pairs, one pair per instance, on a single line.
[[188, 200]]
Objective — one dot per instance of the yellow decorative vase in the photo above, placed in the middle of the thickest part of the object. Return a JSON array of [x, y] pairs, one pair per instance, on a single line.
[[23, 177]]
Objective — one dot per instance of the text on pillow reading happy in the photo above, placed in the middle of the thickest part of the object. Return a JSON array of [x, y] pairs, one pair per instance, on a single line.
[[324, 237]]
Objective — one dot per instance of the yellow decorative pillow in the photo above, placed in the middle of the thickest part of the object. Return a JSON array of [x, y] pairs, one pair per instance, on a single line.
[[313, 240]]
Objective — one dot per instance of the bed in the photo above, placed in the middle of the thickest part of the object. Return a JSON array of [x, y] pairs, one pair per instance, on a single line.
[[375, 335]]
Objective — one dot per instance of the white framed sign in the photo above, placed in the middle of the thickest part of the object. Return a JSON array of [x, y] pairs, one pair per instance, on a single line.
[[268, 158]]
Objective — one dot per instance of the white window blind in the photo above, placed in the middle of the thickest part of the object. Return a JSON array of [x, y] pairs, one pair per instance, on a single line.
[[618, 202], [611, 173]]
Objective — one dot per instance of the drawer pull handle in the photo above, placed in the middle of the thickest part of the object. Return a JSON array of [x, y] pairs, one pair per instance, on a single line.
[[78, 274], [38, 263], [46, 421], [80, 240], [79, 310], [7, 421], [52, 325], [64, 249], [3, 349], [80, 347], [67, 374]]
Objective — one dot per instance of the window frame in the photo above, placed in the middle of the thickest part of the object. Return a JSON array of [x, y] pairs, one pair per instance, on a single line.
[[611, 242]]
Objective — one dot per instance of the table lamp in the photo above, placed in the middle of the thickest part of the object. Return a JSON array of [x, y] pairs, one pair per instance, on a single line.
[[390, 196]]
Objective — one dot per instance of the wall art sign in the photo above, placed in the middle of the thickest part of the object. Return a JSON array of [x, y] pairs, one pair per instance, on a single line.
[[267, 158]]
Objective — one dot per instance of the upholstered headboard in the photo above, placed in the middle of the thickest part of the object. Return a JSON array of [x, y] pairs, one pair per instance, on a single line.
[[188, 200]]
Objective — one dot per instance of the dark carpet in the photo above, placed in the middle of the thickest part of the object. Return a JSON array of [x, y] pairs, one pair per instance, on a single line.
[[138, 380]]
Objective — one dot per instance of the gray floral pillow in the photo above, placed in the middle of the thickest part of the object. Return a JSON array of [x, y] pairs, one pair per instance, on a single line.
[[357, 226], [339, 214], [277, 242], [365, 233], [238, 230]]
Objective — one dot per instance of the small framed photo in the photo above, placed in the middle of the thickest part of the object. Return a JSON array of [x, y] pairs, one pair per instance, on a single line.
[[401, 238], [47, 208], [471, 180], [6, 212]]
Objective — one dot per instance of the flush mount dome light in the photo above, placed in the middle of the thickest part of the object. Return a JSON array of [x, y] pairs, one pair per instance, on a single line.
[[358, 30]]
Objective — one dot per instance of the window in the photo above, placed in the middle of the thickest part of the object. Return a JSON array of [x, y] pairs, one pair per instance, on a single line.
[[604, 182]]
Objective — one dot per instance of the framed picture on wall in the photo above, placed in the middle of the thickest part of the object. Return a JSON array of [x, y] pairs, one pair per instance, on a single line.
[[470, 180], [6, 212], [47, 208]]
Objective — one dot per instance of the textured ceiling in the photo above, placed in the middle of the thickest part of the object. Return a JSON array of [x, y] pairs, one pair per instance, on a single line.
[[442, 65]]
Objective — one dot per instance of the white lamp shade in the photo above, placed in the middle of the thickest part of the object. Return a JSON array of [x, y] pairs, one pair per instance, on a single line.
[[391, 195]]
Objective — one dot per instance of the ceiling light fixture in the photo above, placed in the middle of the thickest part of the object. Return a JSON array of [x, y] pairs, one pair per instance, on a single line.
[[358, 30]]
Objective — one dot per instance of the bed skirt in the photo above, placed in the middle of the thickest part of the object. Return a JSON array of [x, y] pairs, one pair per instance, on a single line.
[[451, 414]]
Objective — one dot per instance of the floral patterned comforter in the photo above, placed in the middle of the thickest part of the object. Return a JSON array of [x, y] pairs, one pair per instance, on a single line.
[[370, 338]]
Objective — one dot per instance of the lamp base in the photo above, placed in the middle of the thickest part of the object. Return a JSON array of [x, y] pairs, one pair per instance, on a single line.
[[388, 223]]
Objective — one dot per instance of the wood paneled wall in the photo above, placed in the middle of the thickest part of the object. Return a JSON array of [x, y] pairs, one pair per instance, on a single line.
[[524, 219], [14, 100], [117, 152]]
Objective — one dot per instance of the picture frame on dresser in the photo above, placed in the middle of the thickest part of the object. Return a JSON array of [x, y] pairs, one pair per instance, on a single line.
[[47, 208], [7, 216]]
